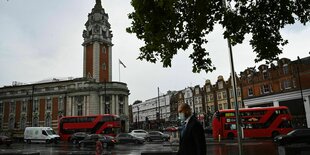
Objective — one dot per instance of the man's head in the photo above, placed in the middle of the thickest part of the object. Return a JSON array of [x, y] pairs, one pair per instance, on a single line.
[[185, 109]]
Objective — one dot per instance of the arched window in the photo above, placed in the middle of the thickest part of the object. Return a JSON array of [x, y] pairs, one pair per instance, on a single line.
[[11, 122], [23, 122], [79, 109], [48, 121]]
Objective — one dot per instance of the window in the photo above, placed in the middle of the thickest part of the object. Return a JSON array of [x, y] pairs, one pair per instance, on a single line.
[[265, 75], [265, 89], [60, 104], [212, 108], [1, 108], [35, 106], [104, 50], [48, 104], [287, 84], [225, 106], [121, 109], [24, 106], [208, 89], [285, 69], [250, 79], [11, 122], [79, 109], [250, 91], [220, 106], [104, 66], [220, 85], [48, 120], [211, 97], [219, 95], [12, 107], [23, 122], [239, 92], [224, 95]]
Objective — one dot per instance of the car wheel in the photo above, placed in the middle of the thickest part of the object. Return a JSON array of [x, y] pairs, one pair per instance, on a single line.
[[8, 144], [28, 141], [48, 141], [56, 141], [136, 141], [74, 141], [274, 134], [148, 139]]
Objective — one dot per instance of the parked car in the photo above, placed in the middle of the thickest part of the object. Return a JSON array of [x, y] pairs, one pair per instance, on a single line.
[[295, 136], [91, 140], [139, 133], [77, 137], [171, 129], [157, 135], [129, 138], [5, 140]]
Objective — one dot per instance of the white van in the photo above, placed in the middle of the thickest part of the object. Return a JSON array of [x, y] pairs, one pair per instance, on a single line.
[[40, 134]]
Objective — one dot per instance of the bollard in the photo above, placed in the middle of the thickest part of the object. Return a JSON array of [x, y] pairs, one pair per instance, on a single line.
[[219, 138]]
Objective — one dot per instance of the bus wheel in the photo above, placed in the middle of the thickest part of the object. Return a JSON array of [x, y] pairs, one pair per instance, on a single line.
[[230, 136], [274, 134]]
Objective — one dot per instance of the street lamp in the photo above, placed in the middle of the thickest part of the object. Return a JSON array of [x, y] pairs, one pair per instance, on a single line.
[[138, 116], [301, 93]]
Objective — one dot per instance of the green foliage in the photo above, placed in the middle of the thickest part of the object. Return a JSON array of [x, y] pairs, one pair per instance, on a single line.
[[166, 26]]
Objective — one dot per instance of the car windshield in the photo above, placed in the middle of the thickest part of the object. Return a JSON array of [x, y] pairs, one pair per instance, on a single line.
[[292, 132], [50, 132]]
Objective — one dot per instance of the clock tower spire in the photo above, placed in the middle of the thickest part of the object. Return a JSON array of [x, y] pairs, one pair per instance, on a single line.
[[98, 45]]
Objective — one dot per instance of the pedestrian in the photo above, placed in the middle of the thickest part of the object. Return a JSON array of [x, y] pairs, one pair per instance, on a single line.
[[192, 137], [99, 148]]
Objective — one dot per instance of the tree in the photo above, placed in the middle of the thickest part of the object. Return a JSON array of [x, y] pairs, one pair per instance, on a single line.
[[167, 26]]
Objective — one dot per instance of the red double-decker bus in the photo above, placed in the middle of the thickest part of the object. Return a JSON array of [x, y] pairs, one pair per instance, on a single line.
[[255, 122], [107, 124]]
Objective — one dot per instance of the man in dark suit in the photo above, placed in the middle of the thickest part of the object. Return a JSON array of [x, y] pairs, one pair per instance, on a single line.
[[192, 137]]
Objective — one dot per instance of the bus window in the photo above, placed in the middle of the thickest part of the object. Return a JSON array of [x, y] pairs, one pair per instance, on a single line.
[[285, 124]]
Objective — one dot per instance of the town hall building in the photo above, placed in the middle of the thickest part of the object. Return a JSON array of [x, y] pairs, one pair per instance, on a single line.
[[43, 103]]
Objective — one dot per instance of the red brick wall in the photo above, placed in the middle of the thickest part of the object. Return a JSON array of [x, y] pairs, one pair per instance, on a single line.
[[18, 111], [104, 57], [6, 112], [42, 109], [55, 108], [89, 59]]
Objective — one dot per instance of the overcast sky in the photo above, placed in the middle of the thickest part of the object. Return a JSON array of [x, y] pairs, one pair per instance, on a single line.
[[41, 39]]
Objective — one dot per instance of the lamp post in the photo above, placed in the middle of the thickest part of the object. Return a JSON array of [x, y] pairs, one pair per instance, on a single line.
[[301, 93], [138, 116]]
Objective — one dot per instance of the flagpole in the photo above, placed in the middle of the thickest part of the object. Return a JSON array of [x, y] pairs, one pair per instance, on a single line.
[[119, 71]]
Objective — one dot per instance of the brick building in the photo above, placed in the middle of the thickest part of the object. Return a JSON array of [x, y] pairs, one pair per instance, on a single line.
[[42, 103], [283, 84]]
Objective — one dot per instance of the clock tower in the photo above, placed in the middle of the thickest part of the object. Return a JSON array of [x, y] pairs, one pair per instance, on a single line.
[[98, 45]]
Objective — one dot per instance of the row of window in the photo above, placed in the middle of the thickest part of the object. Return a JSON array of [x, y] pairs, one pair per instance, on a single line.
[[265, 89], [266, 74], [48, 106], [12, 124]]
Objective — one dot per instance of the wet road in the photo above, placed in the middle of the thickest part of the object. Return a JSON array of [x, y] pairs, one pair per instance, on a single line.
[[253, 147]]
